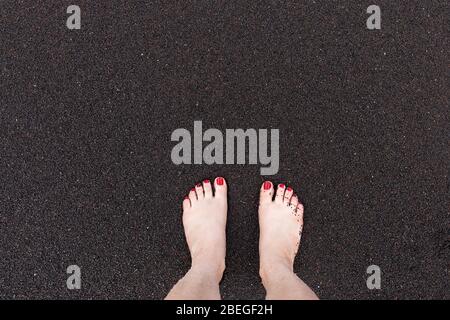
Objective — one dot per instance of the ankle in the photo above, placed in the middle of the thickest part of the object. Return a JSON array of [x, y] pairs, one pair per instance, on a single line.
[[272, 270], [208, 269]]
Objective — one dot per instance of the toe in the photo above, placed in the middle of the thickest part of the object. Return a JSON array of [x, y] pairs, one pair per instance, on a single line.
[[186, 203], [199, 191], [192, 196], [294, 201], [207, 189], [220, 187], [266, 193], [279, 196], [288, 195]]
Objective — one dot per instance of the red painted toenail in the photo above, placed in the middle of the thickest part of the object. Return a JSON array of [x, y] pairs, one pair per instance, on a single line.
[[219, 181], [186, 198], [198, 185], [267, 185], [205, 181], [193, 190], [281, 186], [289, 189]]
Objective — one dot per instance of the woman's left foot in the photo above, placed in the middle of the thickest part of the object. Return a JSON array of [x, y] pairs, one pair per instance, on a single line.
[[204, 221]]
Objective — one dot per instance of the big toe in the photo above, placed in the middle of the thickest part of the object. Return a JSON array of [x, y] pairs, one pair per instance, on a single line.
[[266, 192], [220, 187]]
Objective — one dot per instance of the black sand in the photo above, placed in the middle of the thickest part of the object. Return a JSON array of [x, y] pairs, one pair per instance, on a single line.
[[86, 117]]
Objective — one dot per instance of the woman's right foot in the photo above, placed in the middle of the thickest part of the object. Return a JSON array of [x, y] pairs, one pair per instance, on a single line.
[[280, 224]]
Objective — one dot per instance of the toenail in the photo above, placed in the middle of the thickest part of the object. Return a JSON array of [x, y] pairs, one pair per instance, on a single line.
[[198, 185], [281, 186], [205, 181], [186, 198], [289, 189], [220, 181], [193, 190], [267, 185]]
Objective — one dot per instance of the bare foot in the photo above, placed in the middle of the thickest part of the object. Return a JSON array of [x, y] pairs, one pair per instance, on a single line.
[[280, 224], [204, 220]]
